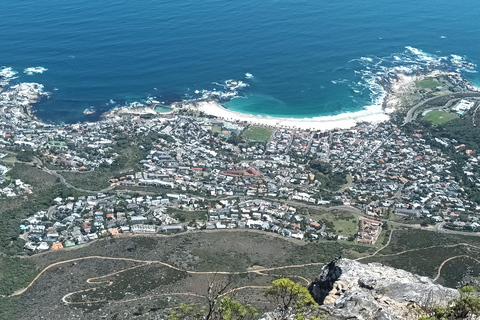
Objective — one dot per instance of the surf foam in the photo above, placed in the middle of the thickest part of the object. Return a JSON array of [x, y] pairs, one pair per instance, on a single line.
[[7, 73], [377, 73], [34, 70]]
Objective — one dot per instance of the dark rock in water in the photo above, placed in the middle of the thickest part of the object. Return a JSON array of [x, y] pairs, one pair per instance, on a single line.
[[348, 289]]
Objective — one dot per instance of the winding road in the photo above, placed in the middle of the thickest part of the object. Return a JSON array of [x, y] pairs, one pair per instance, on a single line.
[[103, 281], [64, 182], [98, 280]]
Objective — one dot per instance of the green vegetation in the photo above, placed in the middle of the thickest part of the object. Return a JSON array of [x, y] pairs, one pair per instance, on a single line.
[[347, 185], [326, 251], [405, 239], [460, 129], [57, 144], [13, 211], [438, 117], [33, 176], [291, 297], [260, 134], [90, 180], [225, 309], [135, 281], [422, 252], [346, 227], [339, 222], [216, 129], [230, 251], [235, 139], [329, 179], [463, 131], [459, 270], [15, 273], [187, 216], [465, 307], [218, 305], [45, 187], [25, 155], [428, 83], [129, 154]]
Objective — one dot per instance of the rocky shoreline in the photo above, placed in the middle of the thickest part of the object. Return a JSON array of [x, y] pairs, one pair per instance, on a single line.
[[400, 89], [18, 100]]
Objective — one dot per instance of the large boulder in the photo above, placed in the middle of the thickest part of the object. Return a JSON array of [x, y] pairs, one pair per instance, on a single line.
[[348, 289]]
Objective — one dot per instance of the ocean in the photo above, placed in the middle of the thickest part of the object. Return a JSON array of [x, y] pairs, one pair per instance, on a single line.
[[301, 58]]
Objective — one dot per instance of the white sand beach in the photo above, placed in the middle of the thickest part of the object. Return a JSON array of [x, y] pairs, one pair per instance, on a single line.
[[399, 88], [343, 121]]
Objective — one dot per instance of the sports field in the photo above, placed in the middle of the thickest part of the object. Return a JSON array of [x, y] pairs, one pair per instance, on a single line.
[[257, 133], [439, 117]]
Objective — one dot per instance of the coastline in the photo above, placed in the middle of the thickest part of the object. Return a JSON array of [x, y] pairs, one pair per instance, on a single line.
[[345, 120], [399, 90], [397, 87], [19, 100]]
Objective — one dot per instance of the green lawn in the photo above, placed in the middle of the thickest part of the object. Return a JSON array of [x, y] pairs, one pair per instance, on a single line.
[[428, 83], [9, 159], [257, 133], [57, 144], [439, 117], [347, 185], [217, 129], [346, 227], [187, 216], [344, 223]]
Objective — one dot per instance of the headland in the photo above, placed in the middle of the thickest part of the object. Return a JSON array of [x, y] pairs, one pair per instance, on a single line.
[[401, 91]]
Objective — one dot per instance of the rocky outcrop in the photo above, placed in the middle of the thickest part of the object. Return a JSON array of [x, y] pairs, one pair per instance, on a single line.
[[348, 289]]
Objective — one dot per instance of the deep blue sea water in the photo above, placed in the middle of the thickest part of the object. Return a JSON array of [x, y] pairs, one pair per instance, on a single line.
[[305, 55]]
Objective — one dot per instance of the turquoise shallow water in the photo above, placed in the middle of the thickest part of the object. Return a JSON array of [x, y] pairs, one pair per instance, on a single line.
[[304, 55]]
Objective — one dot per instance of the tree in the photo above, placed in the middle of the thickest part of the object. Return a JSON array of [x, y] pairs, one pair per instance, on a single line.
[[291, 298], [187, 312], [322, 167], [218, 305], [234, 139], [233, 310], [25, 155], [226, 309]]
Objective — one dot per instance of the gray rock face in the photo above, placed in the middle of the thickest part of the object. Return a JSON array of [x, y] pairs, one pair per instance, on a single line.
[[348, 289]]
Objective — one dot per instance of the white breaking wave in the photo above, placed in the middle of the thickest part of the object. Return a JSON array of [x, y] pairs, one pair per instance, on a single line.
[[248, 75], [376, 73], [33, 70], [27, 93], [7, 73], [416, 51]]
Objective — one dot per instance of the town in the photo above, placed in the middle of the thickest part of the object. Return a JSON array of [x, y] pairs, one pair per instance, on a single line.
[[195, 172]]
